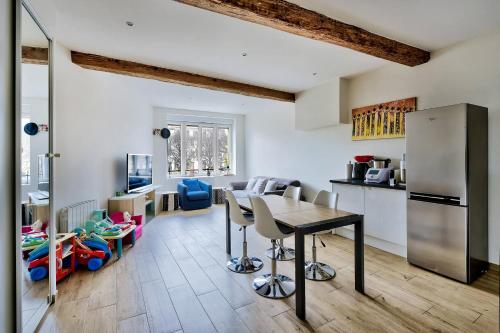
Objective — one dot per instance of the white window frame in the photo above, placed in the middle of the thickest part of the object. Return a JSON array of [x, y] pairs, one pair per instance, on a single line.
[[28, 176], [200, 125]]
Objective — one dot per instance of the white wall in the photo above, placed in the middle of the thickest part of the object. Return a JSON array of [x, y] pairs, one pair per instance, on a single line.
[[467, 72], [160, 151], [99, 117]]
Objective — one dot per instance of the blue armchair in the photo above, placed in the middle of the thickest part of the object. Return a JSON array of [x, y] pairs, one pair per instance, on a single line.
[[194, 194]]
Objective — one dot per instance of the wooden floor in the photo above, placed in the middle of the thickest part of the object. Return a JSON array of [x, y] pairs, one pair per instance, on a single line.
[[175, 280], [34, 298]]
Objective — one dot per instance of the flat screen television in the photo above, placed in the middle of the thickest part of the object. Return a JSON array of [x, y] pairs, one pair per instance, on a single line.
[[139, 172]]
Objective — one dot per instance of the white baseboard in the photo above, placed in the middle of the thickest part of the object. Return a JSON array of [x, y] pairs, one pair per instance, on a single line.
[[375, 242]]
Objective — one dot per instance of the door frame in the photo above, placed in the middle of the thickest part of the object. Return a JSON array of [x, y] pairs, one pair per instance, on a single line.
[[52, 216]]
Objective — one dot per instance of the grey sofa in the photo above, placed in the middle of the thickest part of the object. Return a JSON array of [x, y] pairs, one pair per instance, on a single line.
[[239, 190]]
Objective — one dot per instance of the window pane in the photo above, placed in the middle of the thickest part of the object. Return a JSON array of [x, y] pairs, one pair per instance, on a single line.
[[207, 150], [223, 154], [25, 153], [192, 150], [174, 150]]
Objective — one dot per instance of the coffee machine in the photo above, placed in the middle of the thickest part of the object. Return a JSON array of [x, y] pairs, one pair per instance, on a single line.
[[361, 166]]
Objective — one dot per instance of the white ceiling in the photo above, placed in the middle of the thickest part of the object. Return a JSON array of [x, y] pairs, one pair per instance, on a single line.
[[173, 35]]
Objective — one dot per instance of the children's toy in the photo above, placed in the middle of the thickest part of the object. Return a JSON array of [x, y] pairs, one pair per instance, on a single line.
[[130, 230], [92, 251], [127, 217], [33, 239], [39, 258], [120, 218]]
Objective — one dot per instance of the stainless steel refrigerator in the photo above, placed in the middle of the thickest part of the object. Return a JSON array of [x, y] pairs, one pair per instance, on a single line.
[[447, 190]]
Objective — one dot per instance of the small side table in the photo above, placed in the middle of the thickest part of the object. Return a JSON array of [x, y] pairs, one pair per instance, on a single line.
[[218, 195], [118, 239], [170, 201]]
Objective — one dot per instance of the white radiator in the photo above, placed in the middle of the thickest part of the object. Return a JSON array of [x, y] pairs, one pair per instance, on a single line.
[[75, 215]]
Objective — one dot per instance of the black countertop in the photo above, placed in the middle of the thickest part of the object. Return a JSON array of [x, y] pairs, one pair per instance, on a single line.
[[362, 183]]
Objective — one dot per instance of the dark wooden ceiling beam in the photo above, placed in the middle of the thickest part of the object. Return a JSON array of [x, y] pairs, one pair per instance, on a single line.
[[35, 55], [291, 18], [104, 64]]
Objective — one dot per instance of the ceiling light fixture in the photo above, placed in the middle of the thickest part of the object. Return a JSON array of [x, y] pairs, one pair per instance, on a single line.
[[244, 54], [130, 23], [314, 74]]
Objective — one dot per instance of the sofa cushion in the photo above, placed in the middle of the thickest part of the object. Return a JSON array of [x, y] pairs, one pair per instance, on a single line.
[[242, 193], [192, 184], [270, 186], [251, 184], [197, 195], [260, 185]]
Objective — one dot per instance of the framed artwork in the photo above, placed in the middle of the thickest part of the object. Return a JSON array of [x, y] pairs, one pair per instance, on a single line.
[[382, 121]]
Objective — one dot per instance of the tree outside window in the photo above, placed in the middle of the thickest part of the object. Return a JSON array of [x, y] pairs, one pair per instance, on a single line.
[[199, 149], [174, 149]]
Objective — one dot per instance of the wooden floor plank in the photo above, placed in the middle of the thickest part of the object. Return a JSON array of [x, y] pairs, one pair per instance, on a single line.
[[229, 288], [196, 277], [264, 324], [200, 255], [289, 322], [191, 314], [221, 313], [103, 293], [134, 325], [129, 300], [159, 308], [147, 268], [170, 271], [176, 248], [102, 320]]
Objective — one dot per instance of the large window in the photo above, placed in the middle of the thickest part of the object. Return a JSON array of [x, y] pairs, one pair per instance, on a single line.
[[199, 149], [25, 153]]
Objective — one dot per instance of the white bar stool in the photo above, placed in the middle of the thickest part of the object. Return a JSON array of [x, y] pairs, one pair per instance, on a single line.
[[270, 285], [282, 252], [243, 264], [318, 271]]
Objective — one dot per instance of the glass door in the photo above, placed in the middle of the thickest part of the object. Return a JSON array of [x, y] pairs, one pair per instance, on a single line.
[[36, 223]]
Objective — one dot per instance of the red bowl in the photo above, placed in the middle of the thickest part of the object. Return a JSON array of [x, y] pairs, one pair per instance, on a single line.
[[363, 158]]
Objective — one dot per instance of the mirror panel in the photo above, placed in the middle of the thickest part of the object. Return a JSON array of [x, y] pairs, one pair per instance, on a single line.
[[35, 178]]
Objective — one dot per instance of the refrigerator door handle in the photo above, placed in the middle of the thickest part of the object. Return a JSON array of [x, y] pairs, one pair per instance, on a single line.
[[439, 199]]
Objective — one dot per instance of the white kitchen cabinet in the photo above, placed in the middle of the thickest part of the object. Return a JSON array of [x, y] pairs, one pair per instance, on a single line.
[[384, 213], [351, 199]]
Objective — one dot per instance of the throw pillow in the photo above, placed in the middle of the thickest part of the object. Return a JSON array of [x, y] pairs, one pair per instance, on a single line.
[[260, 185], [271, 186], [250, 184], [192, 184]]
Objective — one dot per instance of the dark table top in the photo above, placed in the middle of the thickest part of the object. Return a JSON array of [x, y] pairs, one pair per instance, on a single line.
[[357, 182]]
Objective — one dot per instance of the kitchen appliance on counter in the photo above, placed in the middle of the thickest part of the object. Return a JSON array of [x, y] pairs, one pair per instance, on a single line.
[[447, 190], [380, 163], [361, 166], [378, 175]]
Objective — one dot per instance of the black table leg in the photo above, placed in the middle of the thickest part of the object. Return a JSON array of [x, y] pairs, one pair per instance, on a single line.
[[359, 260], [300, 278], [228, 229]]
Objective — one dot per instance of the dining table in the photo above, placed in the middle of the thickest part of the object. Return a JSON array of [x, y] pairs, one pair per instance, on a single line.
[[307, 218]]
